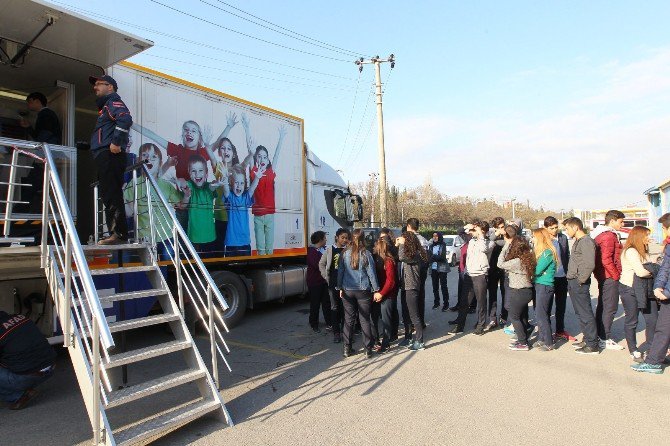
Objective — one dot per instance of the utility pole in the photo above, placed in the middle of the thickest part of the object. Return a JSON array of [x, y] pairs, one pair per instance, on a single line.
[[377, 61], [513, 213]]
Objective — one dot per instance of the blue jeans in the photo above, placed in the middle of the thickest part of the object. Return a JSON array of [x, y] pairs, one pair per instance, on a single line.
[[12, 385], [543, 295]]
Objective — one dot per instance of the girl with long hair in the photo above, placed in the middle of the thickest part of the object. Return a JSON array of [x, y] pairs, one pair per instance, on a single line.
[[636, 290], [357, 280], [518, 261], [384, 300], [547, 259], [411, 255]]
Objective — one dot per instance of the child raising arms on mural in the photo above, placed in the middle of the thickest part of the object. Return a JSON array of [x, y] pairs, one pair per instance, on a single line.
[[199, 196], [238, 239], [263, 208], [192, 143]]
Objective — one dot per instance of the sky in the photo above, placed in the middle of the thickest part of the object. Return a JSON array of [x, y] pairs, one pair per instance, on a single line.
[[562, 103]]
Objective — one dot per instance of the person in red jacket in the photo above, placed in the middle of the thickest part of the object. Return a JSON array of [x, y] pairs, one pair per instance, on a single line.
[[384, 300], [607, 272]]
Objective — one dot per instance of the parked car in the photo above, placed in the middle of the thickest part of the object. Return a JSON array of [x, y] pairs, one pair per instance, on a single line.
[[454, 243]]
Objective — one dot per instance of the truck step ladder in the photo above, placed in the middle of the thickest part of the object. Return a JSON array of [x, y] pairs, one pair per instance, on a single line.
[[119, 414]]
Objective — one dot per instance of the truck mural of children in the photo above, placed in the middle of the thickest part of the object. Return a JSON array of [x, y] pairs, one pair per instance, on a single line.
[[199, 195], [238, 239], [153, 157], [263, 208]]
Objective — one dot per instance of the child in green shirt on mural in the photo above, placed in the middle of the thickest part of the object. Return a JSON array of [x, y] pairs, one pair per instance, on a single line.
[[199, 194]]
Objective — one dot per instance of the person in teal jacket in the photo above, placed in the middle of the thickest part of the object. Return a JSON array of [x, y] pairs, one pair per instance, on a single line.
[[547, 259]]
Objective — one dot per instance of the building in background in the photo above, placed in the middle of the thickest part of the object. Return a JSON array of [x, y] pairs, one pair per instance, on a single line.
[[658, 198]]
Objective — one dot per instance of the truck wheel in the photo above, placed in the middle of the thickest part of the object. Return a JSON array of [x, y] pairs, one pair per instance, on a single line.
[[453, 260], [233, 290]]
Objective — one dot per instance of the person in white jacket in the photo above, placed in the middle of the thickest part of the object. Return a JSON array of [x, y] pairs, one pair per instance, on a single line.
[[475, 282]]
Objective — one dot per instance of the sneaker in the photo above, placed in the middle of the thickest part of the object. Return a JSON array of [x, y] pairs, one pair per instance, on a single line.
[[541, 346], [656, 369], [405, 342], [479, 331], [337, 338], [455, 330], [368, 353], [491, 326], [329, 328], [445, 308], [610, 344], [347, 351], [519, 347], [23, 399], [436, 306], [565, 335], [416, 346], [502, 322], [509, 330], [113, 239], [637, 357], [586, 350], [454, 308], [580, 344]]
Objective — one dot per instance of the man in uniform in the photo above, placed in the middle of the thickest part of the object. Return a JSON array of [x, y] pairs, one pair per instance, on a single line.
[[108, 144], [26, 359]]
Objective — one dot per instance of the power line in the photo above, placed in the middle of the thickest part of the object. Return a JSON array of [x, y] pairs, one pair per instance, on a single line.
[[116, 21], [247, 35], [332, 87], [252, 67], [360, 127], [346, 138], [289, 33], [169, 70]]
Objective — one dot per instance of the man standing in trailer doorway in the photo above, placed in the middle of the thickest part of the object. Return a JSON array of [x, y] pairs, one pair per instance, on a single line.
[[108, 144]]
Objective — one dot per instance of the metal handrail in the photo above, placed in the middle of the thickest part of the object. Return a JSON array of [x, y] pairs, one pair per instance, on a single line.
[[53, 184], [184, 256]]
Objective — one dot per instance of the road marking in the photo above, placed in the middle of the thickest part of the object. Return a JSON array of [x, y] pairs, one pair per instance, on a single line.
[[267, 350]]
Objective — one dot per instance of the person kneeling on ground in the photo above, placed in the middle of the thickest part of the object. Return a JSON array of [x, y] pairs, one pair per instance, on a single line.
[[26, 359]]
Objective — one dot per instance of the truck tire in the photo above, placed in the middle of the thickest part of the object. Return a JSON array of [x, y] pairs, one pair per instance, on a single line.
[[452, 262], [233, 290]]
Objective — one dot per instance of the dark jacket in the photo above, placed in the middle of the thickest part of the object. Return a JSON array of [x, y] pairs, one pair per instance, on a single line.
[[47, 128], [113, 123], [662, 279], [643, 287], [410, 270], [565, 250], [313, 276], [23, 349], [582, 260]]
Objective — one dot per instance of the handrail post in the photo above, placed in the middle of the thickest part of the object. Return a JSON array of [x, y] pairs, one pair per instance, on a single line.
[[212, 338], [95, 339], [46, 195], [136, 218], [67, 298], [10, 191], [96, 215], [152, 230], [180, 282]]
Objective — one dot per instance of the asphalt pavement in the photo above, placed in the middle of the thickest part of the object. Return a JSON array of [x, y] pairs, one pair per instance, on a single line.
[[292, 386]]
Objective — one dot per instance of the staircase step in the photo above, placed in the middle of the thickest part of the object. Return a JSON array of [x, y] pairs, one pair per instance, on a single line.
[[118, 270], [120, 247], [132, 295], [130, 324], [118, 397], [146, 353], [155, 428]]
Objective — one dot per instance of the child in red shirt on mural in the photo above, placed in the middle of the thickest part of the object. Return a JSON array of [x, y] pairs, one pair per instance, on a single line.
[[263, 208]]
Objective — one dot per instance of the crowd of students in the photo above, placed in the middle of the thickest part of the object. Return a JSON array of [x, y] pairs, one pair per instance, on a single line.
[[353, 285]]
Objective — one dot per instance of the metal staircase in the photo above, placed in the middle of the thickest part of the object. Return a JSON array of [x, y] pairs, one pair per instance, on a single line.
[[96, 356]]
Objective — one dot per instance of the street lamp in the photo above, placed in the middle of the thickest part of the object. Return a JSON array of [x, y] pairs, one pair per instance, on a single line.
[[513, 213]]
